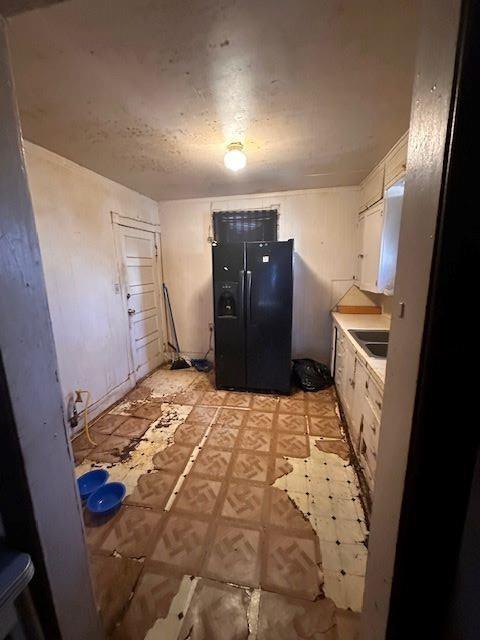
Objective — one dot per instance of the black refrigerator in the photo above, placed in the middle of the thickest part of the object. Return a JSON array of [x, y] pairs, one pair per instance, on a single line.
[[252, 290]]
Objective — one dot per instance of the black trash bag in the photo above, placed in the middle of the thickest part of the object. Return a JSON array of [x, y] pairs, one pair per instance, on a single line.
[[311, 375]]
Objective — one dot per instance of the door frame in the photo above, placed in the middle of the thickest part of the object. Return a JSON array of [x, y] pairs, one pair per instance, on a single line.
[[410, 553], [119, 221]]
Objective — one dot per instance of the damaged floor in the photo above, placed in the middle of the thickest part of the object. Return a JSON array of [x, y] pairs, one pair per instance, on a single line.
[[242, 518]]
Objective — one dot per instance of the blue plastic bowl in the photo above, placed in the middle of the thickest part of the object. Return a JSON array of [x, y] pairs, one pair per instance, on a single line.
[[91, 481], [106, 498]]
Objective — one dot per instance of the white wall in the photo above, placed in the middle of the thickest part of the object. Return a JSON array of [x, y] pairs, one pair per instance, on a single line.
[[72, 210], [322, 223]]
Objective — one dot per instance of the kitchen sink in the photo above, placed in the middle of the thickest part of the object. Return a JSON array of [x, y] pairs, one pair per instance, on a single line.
[[376, 349], [374, 342], [370, 336]]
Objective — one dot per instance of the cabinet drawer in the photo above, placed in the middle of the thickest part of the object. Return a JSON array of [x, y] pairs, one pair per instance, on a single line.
[[368, 462], [369, 457], [374, 397], [371, 427], [396, 161]]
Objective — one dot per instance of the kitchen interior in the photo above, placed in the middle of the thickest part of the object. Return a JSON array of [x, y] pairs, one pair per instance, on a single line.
[[212, 204]]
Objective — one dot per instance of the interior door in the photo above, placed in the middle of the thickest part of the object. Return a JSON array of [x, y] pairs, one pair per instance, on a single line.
[[141, 285]]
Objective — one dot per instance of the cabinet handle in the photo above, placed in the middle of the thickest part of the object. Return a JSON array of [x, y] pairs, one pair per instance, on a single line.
[[379, 404], [361, 255]]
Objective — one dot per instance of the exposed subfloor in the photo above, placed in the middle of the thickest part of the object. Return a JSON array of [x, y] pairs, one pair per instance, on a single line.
[[242, 517]]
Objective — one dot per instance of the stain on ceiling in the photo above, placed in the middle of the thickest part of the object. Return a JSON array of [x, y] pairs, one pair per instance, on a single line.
[[149, 93]]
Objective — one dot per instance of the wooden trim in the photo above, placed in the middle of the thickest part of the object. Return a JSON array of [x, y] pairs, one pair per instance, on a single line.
[[134, 223], [358, 309]]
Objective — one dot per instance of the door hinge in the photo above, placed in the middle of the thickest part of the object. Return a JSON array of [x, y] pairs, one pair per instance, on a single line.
[[156, 251]]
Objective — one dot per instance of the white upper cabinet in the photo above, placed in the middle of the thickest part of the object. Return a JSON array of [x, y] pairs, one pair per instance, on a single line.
[[381, 198], [371, 229], [396, 161], [371, 189]]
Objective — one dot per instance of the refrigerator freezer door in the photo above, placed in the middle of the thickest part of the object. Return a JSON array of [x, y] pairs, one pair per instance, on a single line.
[[268, 301], [228, 294]]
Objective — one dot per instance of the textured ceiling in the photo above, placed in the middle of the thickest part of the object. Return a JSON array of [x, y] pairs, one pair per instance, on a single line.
[[149, 93]]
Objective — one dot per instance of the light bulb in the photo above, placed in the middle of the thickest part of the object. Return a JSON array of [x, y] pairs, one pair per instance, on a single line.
[[234, 158]]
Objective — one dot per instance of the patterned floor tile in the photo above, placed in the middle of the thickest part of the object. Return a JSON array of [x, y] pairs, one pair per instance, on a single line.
[[190, 433], [111, 449], [212, 463], [107, 424], [182, 543], [113, 580], [133, 428], [325, 395], [217, 612], [254, 440], [259, 420], [281, 468], [96, 527], [153, 489], [188, 397], [283, 513], [197, 495], [173, 458], [137, 394], [243, 501], [82, 446], [293, 445], [235, 399], [291, 566], [202, 415], [132, 533], [151, 411], [205, 383], [339, 447], [234, 556], [213, 398], [321, 409], [231, 417], [264, 403], [251, 466], [326, 427], [151, 600], [292, 405], [284, 618], [291, 423], [222, 437]]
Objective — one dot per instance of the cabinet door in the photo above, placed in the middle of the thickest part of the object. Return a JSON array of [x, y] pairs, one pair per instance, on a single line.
[[360, 381], [396, 161], [359, 247], [349, 379], [340, 363], [371, 189], [372, 239]]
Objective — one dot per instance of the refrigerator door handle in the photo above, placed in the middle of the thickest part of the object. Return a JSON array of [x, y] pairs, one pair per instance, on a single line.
[[249, 296], [241, 297]]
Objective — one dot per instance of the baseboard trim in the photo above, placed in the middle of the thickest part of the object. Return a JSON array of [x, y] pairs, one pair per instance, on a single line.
[[103, 403]]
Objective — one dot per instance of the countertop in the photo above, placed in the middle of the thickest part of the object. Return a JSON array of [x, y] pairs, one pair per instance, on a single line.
[[347, 321]]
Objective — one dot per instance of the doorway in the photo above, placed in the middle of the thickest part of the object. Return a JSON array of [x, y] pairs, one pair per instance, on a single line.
[[138, 254]]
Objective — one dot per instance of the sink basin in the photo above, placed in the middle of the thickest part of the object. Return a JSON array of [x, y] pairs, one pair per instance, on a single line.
[[370, 335], [376, 349], [375, 342]]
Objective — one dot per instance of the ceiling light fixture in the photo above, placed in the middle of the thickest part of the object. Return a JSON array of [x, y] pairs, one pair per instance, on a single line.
[[234, 158]]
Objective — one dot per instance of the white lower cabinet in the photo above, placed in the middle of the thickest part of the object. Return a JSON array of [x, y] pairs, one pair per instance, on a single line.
[[361, 401]]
